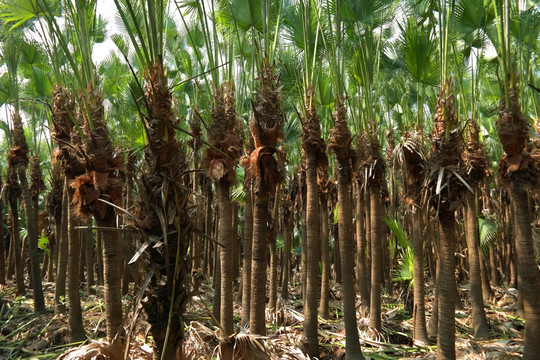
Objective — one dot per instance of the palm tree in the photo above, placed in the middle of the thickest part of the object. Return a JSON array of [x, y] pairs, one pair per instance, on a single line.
[[445, 163], [63, 112], [161, 209], [361, 222], [518, 172], [420, 55], [374, 185], [475, 159], [13, 192], [304, 29], [414, 163], [315, 158], [340, 145], [266, 129], [248, 237], [2, 242], [18, 161], [219, 162]]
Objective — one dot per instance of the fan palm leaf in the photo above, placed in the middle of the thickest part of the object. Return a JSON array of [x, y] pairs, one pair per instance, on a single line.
[[420, 52]]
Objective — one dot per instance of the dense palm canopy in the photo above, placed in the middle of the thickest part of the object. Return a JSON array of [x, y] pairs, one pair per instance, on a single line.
[[206, 122]]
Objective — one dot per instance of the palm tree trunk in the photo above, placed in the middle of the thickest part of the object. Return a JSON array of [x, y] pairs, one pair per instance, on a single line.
[[236, 243], [361, 243], [336, 253], [274, 259], [324, 310], [11, 255], [286, 258], [112, 257], [63, 253], [246, 265], [346, 253], [480, 325], [304, 245], [433, 325], [376, 256], [257, 318], [419, 311], [31, 225], [23, 255], [16, 244], [74, 297], [82, 265], [312, 265], [89, 256], [208, 195], [216, 276], [225, 237], [447, 287], [2, 248], [528, 273], [487, 291], [99, 258]]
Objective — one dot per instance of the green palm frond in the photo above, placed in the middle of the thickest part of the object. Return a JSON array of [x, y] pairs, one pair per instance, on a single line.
[[18, 12], [39, 84], [473, 15], [292, 130], [32, 55], [366, 11], [488, 230], [420, 52], [398, 231], [324, 94], [143, 22], [525, 26], [364, 60], [302, 28], [238, 194], [404, 271], [246, 15]]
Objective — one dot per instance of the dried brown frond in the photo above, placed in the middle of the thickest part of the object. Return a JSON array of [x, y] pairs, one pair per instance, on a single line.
[[390, 147], [101, 162], [195, 128], [445, 170], [475, 156], [522, 167], [414, 163], [97, 146], [266, 125], [244, 346], [375, 163], [203, 341], [18, 153], [63, 118], [266, 129], [340, 135], [37, 185], [312, 141], [102, 350], [225, 136], [160, 121], [361, 156], [513, 129], [446, 136], [63, 114], [512, 126], [53, 202], [12, 188]]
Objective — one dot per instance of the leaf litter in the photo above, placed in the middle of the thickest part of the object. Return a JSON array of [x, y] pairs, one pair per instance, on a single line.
[[26, 336]]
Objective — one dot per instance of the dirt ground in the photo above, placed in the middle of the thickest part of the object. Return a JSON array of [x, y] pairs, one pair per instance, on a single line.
[[26, 336]]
